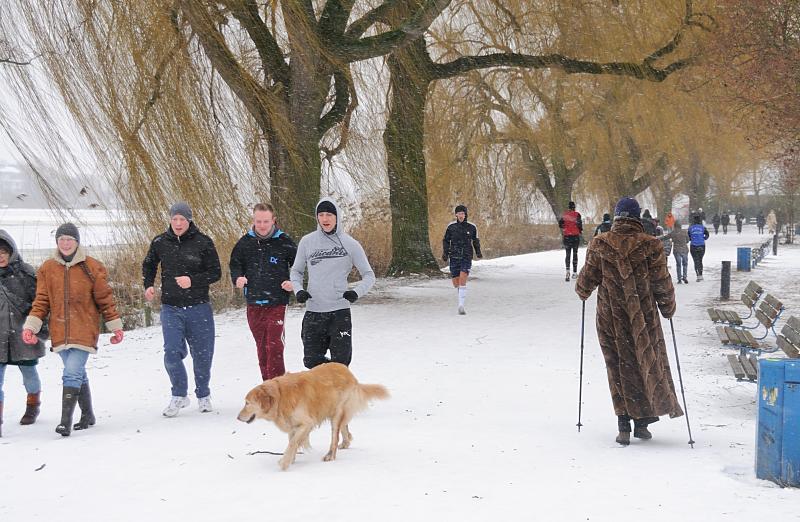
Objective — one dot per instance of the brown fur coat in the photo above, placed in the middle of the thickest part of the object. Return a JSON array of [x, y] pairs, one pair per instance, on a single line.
[[630, 271]]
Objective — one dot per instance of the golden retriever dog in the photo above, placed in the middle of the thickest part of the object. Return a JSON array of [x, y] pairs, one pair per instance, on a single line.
[[299, 402]]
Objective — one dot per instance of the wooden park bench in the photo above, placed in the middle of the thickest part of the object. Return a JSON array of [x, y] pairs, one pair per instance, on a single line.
[[744, 367], [750, 295], [789, 338], [767, 314], [760, 252]]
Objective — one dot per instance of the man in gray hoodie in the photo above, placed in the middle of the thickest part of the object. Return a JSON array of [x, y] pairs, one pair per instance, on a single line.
[[330, 254]]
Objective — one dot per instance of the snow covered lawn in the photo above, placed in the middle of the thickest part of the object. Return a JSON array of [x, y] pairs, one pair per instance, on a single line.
[[481, 425]]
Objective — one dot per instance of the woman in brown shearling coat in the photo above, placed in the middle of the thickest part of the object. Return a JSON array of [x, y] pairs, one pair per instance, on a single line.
[[630, 271], [72, 288]]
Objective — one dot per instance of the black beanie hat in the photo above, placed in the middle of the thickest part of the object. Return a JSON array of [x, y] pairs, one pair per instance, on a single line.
[[326, 206], [68, 229], [571, 205]]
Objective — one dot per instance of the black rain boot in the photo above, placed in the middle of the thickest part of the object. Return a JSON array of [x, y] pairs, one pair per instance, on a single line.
[[640, 430], [85, 404], [69, 397], [31, 409], [624, 426]]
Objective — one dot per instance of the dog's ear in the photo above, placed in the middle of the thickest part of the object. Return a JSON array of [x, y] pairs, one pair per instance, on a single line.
[[266, 395]]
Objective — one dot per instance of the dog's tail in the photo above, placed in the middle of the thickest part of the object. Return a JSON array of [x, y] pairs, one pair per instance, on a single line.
[[372, 391]]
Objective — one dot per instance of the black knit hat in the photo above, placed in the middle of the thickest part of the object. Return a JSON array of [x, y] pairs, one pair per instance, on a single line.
[[326, 206], [68, 229], [571, 205]]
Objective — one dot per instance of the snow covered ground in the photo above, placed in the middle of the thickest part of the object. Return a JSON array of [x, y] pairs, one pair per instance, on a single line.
[[481, 425]]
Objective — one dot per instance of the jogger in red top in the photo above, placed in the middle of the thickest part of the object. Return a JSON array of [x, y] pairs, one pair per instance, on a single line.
[[571, 226]]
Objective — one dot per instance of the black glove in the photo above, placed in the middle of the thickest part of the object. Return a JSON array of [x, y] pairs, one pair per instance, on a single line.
[[479, 255], [302, 296], [444, 258], [350, 295]]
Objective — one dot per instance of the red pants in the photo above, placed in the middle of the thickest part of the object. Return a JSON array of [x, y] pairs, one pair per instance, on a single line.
[[266, 323]]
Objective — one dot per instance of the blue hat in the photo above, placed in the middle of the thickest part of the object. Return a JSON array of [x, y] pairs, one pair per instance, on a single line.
[[627, 207]]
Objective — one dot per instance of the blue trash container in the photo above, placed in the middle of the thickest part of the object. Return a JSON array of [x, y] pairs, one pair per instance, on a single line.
[[778, 429], [743, 259]]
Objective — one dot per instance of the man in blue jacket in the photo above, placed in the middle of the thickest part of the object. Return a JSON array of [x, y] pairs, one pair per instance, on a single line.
[[260, 264], [697, 239]]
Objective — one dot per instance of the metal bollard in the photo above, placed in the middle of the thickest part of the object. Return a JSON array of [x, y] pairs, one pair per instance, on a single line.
[[725, 283], [775, 244]]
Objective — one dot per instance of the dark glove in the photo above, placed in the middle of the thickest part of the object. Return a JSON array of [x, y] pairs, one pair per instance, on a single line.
[[479, 255], [444, 258], [302, 296], [350, 295]]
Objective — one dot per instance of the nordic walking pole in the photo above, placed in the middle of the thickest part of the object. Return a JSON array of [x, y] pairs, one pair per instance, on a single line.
[[580, 379], [680, 378]]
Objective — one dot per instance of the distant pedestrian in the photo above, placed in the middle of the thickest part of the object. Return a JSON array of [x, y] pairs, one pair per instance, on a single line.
[[761, 221], [666, 241], [772, 223], [72, 289], [629, 270], [329, 254], [605, 226], [680, 250], [739, 222], [669, 221], [716, 220], [571, 225], [648, 223], [697, 237], [17, 292], [458, 245], [189, 265], [260, 265], [725, 220]]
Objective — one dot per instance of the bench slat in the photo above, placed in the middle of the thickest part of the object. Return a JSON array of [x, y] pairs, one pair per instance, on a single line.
[[736, 366], [774, 303], [747, 301], [713, 315], [749, 340], [789, 349], [748, 368], [791, 333], [723, 336], [733, 317], [764, 319], [794, 322], [754, 363]]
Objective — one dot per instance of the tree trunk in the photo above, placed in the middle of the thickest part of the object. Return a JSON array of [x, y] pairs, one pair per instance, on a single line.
[[295, 184], [404, 140]]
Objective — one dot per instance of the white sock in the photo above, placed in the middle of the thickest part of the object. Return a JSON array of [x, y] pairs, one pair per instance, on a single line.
[[462, 294]]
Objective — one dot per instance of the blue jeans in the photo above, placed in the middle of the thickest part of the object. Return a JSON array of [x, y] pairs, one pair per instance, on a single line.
[[30, 379], [192, 325], [74, 367], [681, 264]]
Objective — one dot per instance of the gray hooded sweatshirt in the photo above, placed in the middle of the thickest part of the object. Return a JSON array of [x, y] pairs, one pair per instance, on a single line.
[[330, 258]]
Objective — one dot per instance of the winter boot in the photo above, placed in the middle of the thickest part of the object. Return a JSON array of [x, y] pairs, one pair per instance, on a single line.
[[31, 409], [85, 404], [624, 426], [640, 430], [567, 278], [685, 281], [69, 397]]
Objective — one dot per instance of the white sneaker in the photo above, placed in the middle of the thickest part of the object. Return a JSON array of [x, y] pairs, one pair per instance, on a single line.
[[699, 278], [175, 405], [461, 311], [574, 275], [204, 404]]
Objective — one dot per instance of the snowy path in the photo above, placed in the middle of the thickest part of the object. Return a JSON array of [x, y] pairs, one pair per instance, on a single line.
[[481, 425]]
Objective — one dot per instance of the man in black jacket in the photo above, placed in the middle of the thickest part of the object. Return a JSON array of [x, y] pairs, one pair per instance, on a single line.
[[260, 264], [189, 264], [460, 239]]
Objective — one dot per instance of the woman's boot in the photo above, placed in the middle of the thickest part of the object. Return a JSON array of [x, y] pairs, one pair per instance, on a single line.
[[85, 404], [69, 397], [624, 426], [31, 409], [640, 430]]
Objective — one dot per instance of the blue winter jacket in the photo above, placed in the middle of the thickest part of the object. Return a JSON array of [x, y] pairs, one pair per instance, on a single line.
[[697, 235]]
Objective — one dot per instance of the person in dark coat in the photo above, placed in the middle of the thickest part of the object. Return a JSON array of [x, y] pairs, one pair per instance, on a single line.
[[716, 220], [761, 220], [189, 265], [648, 223], [605, 226], [680, 250], [629, 269], [739, 222], [17, 292], [725, 220], [260, 265], [459, 244], [571, 225]]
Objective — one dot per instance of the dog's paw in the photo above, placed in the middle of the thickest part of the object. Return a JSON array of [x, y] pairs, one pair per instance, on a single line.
[[284, 463], [345, 444], [329, 457]]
